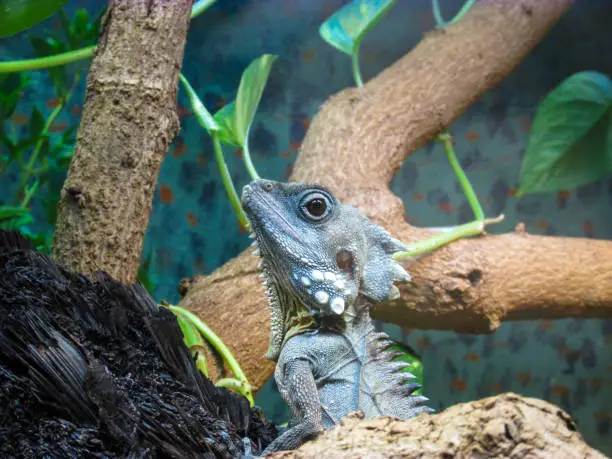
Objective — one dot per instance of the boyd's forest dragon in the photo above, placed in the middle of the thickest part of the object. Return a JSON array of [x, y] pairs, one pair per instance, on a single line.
[[325, 264]]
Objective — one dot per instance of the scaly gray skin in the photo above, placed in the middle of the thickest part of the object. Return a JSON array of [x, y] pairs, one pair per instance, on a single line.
[[325, 265]]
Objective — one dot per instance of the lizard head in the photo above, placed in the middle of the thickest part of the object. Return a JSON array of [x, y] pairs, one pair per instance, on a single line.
[[317, 254]]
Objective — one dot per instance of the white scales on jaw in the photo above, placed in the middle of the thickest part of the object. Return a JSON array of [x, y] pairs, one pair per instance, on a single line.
[[325, 287]]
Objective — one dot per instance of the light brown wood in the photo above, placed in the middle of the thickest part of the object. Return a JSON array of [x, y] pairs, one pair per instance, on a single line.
[[129, 120], [356, 143]]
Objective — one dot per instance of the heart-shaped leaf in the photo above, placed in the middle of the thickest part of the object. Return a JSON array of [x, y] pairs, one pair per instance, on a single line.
[[19, 15], [346, 28], [570, 141], [237, 116]]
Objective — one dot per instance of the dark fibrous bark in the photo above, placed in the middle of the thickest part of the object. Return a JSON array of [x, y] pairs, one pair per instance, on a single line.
[[94, 368]]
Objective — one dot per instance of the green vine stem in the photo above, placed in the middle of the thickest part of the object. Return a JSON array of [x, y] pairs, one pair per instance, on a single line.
[[231, 383], [49, 61], [466, 230], [356, 68], [208, 122], [220, 347], [438, 15], [246, 156], [29, 169], [78, 54], [195, 343], [29, 193], [450, 234], [227, 181], [447, 141]]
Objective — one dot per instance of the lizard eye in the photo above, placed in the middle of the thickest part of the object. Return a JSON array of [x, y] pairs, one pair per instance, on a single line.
[[315, 206]]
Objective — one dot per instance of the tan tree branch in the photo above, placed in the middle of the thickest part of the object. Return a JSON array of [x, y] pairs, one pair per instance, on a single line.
[[129, 120], [357, 142]]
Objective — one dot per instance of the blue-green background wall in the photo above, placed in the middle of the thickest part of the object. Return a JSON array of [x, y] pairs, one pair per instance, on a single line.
[[193, 230]]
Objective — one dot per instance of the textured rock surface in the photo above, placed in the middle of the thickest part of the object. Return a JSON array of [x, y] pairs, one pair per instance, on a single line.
[[505, 426]]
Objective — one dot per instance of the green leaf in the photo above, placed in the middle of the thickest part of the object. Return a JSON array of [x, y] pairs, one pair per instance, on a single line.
[[40, 241], [49, 46], [80, 24], [251, 88], [345, 29], [64, 156], [77, 29], [410, 356], [237, 116], [19, 15], [69, 135], [202, 114], [225, 120], [37, 123], [8, 212], [11, 87], [9, 83], [42, 47], [567, 146], [93, 30], [63, 17], [25, 143], [200, 6], [14, 217], [145, 274], [16, 223]]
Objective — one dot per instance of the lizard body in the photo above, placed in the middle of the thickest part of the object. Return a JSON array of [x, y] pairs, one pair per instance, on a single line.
[[325, 264]]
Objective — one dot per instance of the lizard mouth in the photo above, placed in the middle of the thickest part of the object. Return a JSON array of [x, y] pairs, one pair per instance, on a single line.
[[264, 215]]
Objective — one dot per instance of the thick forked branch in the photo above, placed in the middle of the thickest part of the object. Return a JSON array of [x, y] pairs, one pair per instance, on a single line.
[[473, 285], [357, 142], [129, 120]]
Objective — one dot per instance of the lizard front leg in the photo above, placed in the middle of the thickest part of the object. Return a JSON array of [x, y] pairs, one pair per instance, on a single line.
[[297, 386]]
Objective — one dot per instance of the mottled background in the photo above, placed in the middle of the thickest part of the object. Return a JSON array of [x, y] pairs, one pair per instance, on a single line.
[[193, 229]]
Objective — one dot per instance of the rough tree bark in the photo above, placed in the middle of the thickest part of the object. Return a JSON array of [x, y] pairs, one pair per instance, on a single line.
[[129, 120], [355, 145], [505, 426]]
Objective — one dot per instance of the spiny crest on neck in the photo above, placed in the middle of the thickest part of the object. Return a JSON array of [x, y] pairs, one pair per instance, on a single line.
[[285, 312]]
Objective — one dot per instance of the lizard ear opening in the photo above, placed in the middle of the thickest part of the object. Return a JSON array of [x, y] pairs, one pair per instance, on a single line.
[[346, 262]]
